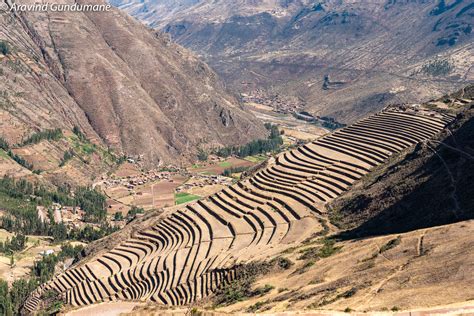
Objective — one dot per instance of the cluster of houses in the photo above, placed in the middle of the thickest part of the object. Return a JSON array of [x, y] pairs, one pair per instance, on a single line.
[[68, 215], [451, 102], [130, 182], [278, 103], [202, 180]]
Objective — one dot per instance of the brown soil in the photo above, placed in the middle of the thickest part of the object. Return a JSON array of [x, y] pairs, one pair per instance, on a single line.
[[439, 270], [127, 170], [149, 196], [218, 168]]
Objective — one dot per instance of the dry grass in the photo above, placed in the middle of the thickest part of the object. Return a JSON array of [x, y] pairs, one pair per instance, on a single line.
[[402, 275]]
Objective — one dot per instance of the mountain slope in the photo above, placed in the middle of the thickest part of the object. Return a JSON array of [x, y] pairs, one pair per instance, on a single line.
[[188, 252], [344, 59], [436, 176], [422, 216], [121, 83]]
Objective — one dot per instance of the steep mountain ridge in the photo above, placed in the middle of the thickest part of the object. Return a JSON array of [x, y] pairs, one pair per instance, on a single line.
[[124, 85], [377, 52]]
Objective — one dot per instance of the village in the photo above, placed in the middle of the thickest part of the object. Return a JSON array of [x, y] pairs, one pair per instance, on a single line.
[[151, 189], [278, 103]]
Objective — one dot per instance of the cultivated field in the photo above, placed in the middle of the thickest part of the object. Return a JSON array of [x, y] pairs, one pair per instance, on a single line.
[[216, 168], [258, 218], [149, 196]]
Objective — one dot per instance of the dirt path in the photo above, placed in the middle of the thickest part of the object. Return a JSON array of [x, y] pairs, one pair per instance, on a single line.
[[378, 287]]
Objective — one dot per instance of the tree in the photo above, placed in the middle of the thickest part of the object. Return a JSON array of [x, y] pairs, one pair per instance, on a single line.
[[59, 232], [6, 307], [4, 48], [93, 203], [4, 145], [19, 292], [118, 216], [68, 155], [49, 134], [134, 211], [272, 143], [202, 155], [76, 130]]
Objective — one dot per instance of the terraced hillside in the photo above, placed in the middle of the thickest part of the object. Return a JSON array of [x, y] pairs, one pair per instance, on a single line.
[[190, 251]]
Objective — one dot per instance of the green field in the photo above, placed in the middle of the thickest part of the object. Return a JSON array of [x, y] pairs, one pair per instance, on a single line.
[[182, 197], [3, 154], [225, 164], [256, 158]]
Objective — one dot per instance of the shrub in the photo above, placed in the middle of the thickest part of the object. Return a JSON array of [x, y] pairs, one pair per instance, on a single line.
[[255, 307], [118, 216], [202, 155], [348, 293], [262, 290], [68, 155], [283, 263], [305, 267], [4, 48], [437, 68], [233, 292], [49, 134], [241, 288], [328, 248], [391, 244]]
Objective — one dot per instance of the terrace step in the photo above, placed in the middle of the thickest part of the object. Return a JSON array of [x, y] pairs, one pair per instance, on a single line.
[[189, 253]]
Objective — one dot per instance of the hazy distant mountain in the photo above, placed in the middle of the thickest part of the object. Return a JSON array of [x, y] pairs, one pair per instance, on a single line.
[[376, 52], [121, 83]]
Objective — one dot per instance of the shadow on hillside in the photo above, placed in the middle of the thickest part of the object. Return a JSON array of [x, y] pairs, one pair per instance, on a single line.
[[438, 197]]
